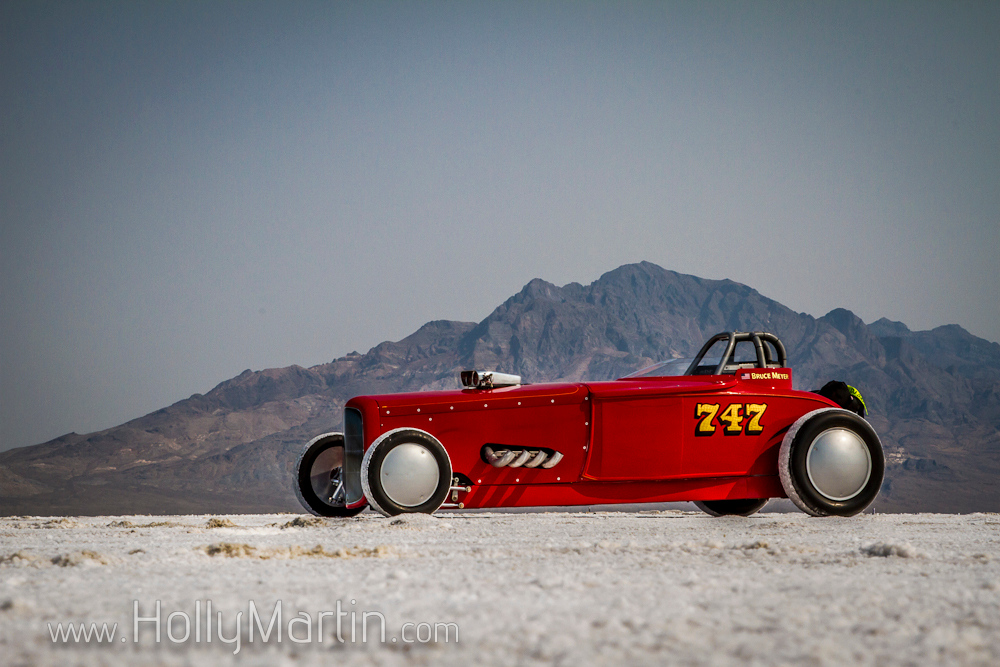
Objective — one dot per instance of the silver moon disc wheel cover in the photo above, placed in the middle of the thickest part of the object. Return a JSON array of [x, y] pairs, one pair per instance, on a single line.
[[839, 464], [409, 474]]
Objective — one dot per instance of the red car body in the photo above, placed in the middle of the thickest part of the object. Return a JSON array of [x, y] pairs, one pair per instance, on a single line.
[[640, 440], [728, 434]]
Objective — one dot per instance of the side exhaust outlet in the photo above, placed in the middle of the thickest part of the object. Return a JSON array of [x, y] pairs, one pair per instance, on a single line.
[[515, 457]]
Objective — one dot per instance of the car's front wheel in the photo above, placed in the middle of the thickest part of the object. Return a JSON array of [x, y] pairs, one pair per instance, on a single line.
[[319, 482], [406, 470], [831, 463], [731, 507]]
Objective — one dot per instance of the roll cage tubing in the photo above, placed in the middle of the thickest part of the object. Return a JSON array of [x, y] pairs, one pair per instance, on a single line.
[[757, 337]]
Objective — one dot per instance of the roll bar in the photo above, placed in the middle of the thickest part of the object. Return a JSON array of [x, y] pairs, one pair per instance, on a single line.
[[764, 356]]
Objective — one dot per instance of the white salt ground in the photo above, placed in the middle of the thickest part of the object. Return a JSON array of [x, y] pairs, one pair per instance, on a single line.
[[572, 588]]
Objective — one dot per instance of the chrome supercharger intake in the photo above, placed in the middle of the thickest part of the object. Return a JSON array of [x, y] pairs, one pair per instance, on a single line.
[[517, 457], [488, 379]]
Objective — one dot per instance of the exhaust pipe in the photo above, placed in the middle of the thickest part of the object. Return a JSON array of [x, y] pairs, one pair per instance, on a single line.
[[536, 460], [515, 458], [520, 460], [554, 461], [499, 459]]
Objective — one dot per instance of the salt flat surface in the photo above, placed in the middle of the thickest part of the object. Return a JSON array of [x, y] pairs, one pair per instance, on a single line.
[[569, 588]]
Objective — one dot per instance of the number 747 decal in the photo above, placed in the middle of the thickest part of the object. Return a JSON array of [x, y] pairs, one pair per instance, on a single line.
[[737, 418]]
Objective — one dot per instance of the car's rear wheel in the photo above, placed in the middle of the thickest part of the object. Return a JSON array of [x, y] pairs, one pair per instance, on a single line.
[[731, 507], [319, 472], [831, 463], [405, 471]]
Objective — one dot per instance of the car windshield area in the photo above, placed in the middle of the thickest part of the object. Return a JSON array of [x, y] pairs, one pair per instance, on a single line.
[[708, 363], [723, 354], [669, 368]]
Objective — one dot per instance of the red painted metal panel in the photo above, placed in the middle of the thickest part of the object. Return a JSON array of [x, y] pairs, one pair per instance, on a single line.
[[752, 449], [661, 386], [553, 416], [636, 438], [595, 493], [729, 448], [435, 402]]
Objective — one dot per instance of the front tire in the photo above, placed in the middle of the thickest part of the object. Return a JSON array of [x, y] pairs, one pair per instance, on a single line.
[[731, 507], [319, 477], [831, 463], [406, 470]]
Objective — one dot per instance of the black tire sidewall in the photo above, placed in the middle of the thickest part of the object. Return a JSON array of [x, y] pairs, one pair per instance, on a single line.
[[800, 477], [303, 481], [741, 507], [375, 465]]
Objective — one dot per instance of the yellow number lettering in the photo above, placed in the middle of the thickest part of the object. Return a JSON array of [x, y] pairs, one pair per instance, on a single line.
[[732, 417], [705, 413], [755, 411]]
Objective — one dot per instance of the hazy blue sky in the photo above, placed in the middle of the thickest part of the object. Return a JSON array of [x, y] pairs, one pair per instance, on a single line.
[[191, 189]]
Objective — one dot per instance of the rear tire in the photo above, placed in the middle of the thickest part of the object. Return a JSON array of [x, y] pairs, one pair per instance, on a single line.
[[831, 463], [406, 471], [731, 507], [319, 476]]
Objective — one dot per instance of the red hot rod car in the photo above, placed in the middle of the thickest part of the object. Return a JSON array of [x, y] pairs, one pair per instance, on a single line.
[[725, 430]]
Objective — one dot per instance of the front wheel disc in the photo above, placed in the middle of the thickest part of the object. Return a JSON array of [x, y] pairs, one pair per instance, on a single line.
[[406, 470], [409, 474]]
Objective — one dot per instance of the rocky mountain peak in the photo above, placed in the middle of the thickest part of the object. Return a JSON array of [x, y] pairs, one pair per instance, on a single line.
[[884, 327]]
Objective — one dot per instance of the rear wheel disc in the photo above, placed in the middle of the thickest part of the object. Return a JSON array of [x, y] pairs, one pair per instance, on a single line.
[[319, 481], [838, 464], [831, 463]]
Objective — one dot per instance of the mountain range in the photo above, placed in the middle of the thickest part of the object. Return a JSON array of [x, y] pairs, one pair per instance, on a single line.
[[933, 397]]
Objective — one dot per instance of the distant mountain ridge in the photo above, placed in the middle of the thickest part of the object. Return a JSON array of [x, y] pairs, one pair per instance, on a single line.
[[934, 397]]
